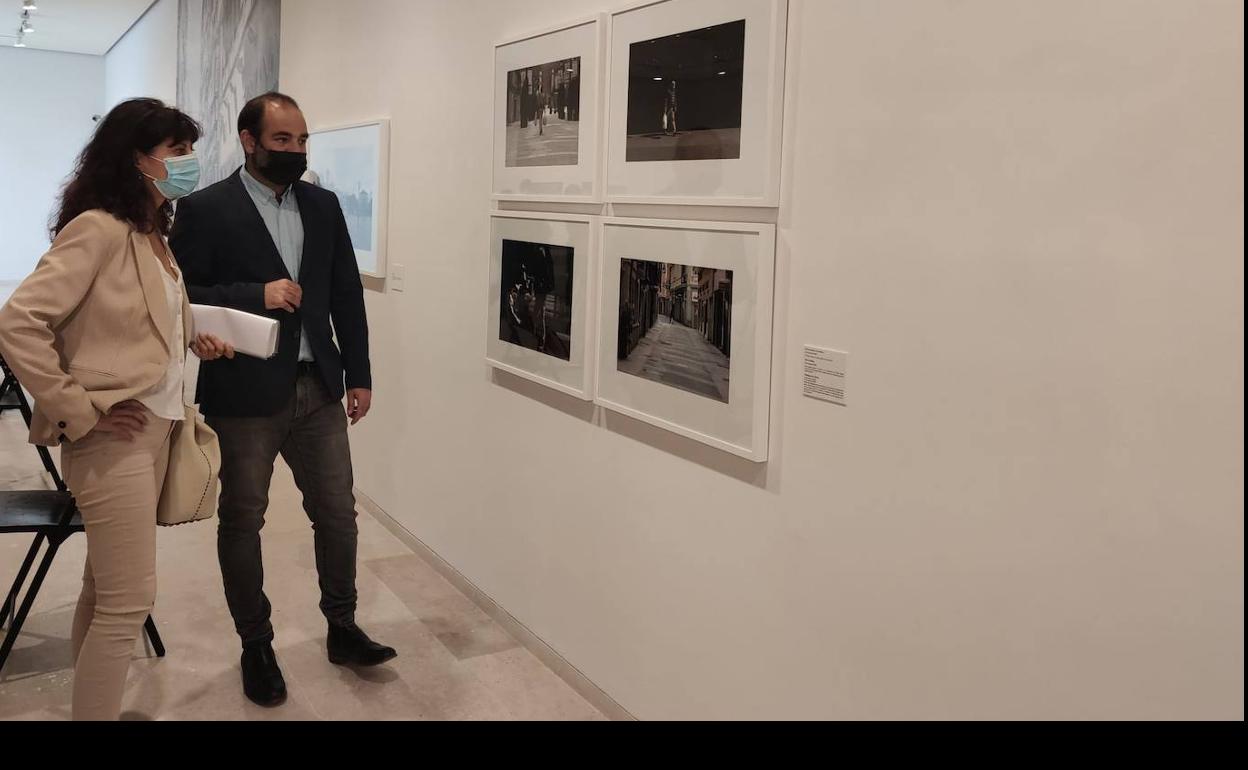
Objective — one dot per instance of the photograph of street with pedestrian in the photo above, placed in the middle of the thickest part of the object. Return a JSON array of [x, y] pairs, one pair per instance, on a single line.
[[544, 114], [675, 326], [685, 93]]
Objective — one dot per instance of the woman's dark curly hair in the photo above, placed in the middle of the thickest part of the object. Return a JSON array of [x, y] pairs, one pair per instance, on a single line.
[[105, 176]]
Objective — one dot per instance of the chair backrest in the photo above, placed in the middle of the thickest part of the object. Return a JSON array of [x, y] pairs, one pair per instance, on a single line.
[[11, 383]]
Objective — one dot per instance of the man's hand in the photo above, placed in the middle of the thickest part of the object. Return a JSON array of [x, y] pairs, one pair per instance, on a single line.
[[283, 295], [359, 401]]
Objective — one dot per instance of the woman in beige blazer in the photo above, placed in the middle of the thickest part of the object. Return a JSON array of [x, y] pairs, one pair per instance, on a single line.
[[98, 334]]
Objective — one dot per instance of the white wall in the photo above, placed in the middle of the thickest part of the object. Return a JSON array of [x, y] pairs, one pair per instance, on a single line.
[[47, 121], [44, 124], [1024, 222], [145, 61]]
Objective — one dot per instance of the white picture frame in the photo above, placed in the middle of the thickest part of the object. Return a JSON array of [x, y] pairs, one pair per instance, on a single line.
[[529, 168], [573, 375], [353, 160], [750, 180], [672, 376]]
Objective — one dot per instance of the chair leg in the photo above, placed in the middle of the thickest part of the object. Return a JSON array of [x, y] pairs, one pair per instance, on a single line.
[[7, 385], [154, 636], [11, 639], [10, 601], [44, 454], [50, 467]]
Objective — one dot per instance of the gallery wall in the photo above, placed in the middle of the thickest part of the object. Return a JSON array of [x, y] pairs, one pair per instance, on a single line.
[[227, 53], [144, 62], [1022, 220], [44, 124]]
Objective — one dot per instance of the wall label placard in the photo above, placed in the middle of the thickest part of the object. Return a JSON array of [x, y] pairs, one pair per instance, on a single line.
[[824, 375]]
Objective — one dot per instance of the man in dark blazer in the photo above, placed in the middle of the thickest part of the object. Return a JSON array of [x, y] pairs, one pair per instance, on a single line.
[[266, 243]]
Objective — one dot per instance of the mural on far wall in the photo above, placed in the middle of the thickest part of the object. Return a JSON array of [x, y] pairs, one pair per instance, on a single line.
[[227, 54]]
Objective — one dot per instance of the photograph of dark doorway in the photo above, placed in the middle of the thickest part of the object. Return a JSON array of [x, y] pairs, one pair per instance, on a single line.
[[675, 326], [684, 95], [536, 303]]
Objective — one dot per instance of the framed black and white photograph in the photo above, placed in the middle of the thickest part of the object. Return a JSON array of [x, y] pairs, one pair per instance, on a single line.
[[548, 105], [535, 297], [354, 163], [675, 326], [686, 328], [543, 273], [696, 102], [544, 115], [684, 95]]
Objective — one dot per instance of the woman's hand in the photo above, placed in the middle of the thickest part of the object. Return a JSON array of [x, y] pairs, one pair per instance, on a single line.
[[209, 348], [123, 421]]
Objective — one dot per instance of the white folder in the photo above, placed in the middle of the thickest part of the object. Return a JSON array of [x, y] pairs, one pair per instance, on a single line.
[[250, 334]]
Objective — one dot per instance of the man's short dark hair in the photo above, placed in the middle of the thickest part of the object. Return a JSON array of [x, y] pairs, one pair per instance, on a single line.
[[252, 117]]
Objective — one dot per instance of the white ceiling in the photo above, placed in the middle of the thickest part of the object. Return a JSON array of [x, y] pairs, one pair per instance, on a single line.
[[72, 26]]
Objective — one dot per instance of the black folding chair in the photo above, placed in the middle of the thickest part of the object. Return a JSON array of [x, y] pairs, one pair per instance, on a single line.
[[52, 517], [13, 397]]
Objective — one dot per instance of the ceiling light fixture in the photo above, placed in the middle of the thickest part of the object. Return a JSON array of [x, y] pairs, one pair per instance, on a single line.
[[29, 5]]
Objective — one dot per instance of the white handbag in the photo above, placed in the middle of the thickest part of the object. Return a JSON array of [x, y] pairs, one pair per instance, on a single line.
[[190, 491]]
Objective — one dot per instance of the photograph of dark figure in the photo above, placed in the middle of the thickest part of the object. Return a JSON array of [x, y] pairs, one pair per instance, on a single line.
[[543, 115], [535, 310], [675, 326], [669, 111], [685, 95]]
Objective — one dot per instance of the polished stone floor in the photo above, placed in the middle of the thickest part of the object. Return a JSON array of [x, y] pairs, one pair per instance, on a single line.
[[455, 662]]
